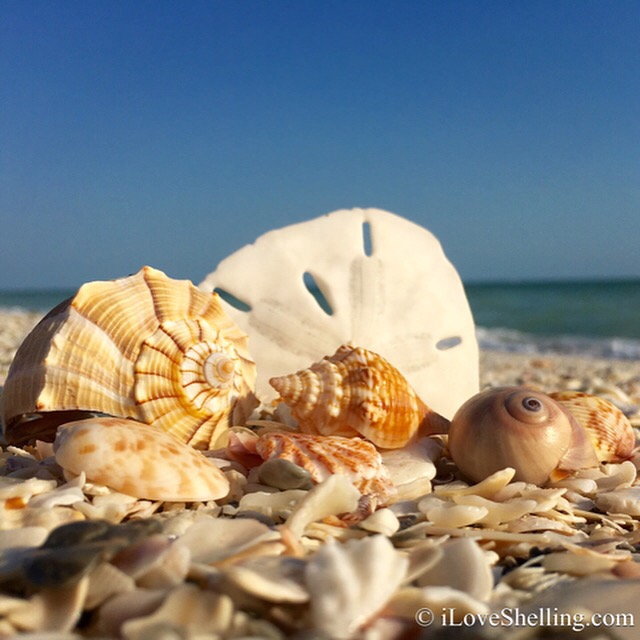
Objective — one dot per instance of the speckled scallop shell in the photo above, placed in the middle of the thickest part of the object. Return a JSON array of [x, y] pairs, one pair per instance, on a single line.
[[139, 460], [609, 430], [145, 347], [322, 457], [357, 392]]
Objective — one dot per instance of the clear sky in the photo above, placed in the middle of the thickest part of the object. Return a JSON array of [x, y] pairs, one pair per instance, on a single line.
[[173, 133]]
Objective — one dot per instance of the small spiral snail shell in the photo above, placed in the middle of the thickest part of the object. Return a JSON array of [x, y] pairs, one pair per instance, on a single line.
[[145, 347], [356, 392], [519, 428]]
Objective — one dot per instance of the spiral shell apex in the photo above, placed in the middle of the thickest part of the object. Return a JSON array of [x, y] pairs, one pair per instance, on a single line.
[[145, 347], [357, 392]]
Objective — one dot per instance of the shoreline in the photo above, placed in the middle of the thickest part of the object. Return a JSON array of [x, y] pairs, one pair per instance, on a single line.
[[616, 378]]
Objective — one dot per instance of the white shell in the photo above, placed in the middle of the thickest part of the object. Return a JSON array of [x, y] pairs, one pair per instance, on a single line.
[[402, 299], [352, 582]]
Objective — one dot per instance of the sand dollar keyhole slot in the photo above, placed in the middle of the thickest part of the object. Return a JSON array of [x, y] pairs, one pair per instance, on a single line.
[[366, 239], [234, 301], [314, 289], [448, 343]]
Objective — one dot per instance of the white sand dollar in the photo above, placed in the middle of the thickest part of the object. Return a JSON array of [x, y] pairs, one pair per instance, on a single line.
[[363, 276]]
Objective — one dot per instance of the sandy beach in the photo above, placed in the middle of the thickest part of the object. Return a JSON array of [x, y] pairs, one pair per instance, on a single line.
[[264, 552]]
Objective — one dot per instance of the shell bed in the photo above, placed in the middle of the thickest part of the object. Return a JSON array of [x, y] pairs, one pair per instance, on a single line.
[[195, 506]]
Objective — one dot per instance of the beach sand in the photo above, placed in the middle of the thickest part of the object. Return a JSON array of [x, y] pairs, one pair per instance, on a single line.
[[587, 563]]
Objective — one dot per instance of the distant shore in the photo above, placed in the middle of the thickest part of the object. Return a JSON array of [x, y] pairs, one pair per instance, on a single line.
[[548, 372]]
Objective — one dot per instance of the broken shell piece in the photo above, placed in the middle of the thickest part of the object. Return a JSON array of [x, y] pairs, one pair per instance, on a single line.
[[212, 540], [196, 611], [274, 579], [412, 468], [610, 431], [51, 609], [138, 460], [357, 392], [333, 496], [350, 583], [325, 456], [347, 276], [463, 566], [519, 428], [626, 500], [145, 347]]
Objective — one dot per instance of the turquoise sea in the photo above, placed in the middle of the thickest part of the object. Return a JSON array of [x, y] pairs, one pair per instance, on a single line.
[[599, 317]]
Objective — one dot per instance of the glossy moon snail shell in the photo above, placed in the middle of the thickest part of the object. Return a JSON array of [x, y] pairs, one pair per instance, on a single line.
[[519, 428]]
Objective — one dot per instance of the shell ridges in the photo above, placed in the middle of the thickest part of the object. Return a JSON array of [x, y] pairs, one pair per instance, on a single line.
[[136, 347], [355, 392]]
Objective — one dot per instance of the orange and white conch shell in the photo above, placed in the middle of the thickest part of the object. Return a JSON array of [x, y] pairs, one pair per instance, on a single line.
[[145, 347], [356, 392], [322, 457], [609, 430]]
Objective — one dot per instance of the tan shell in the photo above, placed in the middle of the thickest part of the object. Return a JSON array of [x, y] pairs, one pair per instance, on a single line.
[[139, 460], [323, 456], [610, 431], [357, 392], [519, 428], [145, 347]]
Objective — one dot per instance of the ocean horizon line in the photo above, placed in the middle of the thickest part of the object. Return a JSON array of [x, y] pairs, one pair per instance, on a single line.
[[524, 281]]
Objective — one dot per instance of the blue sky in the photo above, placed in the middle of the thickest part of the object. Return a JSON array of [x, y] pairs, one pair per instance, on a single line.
[[173, 133]]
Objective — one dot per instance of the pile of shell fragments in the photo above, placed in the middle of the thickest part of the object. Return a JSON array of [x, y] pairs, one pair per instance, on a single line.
[[284, 556]]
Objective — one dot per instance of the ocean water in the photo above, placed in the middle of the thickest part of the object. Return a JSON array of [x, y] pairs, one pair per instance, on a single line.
[[592, 318]]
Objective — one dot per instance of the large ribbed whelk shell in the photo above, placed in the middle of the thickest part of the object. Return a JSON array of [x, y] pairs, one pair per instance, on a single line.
[[357, 392], [145, 347]]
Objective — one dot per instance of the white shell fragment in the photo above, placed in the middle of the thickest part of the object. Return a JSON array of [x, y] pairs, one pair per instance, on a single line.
[[303, 290], [349, 583], [138, 460]]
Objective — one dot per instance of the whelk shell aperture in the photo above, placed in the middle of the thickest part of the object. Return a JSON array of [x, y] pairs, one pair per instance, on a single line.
[[138, 460], [360, 276], [356, 392], [145, 347]]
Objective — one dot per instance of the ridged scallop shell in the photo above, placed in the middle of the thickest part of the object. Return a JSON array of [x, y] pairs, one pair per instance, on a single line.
[[357, 392], [139, 460], [323, 456], [609, 430], [145, 347]]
